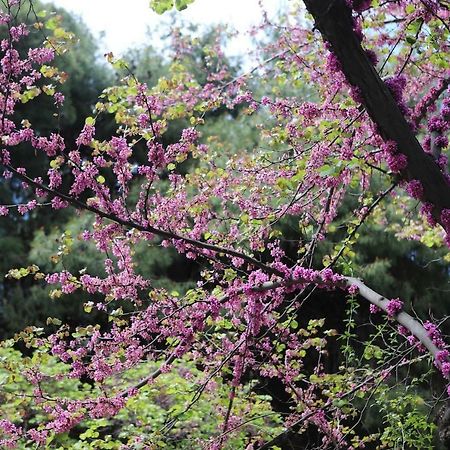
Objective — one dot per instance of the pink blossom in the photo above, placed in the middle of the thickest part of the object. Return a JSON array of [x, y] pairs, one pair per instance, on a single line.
[[353, 289], [415, 189], [40, 437], [59, 98], [394, 306], [41, 55], [397, 162], [86, 135]]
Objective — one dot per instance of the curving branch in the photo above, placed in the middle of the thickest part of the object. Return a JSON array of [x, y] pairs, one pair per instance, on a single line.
[[144, 228], [403, 318]]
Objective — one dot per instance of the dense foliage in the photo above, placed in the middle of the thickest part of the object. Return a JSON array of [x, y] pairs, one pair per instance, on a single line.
[[190, 253]]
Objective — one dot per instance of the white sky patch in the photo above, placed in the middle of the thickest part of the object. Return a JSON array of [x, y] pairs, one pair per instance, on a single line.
[[126, 24]]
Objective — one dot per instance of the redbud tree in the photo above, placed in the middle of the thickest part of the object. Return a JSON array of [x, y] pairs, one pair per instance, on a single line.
[[350, 99]]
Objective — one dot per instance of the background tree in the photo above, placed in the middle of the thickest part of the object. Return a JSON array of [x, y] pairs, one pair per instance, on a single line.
[[85, 78]]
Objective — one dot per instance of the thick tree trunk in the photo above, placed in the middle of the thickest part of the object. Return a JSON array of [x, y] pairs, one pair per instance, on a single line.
[[333, 18]]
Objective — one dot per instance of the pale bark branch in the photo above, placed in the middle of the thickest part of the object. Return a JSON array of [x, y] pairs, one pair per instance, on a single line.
[[403, 318]]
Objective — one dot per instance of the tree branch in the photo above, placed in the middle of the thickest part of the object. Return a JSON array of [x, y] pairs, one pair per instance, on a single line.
[[333, 18], [146, 229], [403, 318]]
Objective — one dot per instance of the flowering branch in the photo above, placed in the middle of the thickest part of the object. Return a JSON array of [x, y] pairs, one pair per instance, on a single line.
[[402, 317], [413, 326], [333, 18], [146, 229]]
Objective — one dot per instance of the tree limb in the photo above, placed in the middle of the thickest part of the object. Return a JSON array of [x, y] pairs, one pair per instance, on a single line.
[[403, 318], [333, 18]]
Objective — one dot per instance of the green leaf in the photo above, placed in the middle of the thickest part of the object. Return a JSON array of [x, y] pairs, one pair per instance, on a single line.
[[53, 321], [182, 4], [52, 23], [161, 6]]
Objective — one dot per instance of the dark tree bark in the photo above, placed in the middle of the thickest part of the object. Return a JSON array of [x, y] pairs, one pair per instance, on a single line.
[[333, 18]]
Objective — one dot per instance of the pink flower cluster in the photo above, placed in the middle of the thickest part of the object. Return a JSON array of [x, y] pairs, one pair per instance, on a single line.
[[12, 431], [394, 306], [415, 189], [396, 161], [396, 86], [325, 278]]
